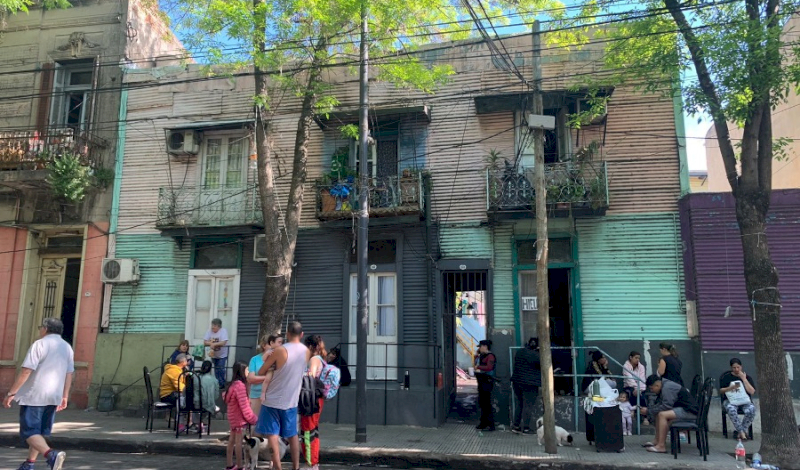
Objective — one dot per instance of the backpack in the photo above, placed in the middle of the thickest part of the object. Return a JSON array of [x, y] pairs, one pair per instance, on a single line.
[[310, 390], [330, 377]]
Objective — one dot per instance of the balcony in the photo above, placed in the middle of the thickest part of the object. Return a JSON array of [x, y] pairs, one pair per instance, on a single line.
[[393, 196], [573, 189], [33, 150], [210, 208]]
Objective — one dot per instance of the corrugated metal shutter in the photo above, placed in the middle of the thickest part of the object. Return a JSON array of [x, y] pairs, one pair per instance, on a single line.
[[251, 290], [416, 282], [316, 296], [631, 278], [158, 303], [503, 278], [719, 269], [465, 242]]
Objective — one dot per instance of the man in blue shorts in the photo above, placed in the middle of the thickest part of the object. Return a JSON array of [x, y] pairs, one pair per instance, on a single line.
[[42, 389], [278, 417]]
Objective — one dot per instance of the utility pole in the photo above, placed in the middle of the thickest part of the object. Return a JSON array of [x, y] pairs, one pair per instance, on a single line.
[[542, 238], [363, 234]]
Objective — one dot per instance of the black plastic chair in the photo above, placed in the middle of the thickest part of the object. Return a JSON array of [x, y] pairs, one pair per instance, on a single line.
[[192, 388], [700, 426], [153, 405], [725, 417], [697, 385]]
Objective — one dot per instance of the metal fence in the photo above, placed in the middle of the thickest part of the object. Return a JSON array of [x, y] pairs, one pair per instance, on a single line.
[[34, 150], [388, 371], [208, 206], [577, 378], [388, 196]]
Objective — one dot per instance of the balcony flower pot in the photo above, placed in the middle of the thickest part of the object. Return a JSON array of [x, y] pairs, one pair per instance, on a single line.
[[328, 201]]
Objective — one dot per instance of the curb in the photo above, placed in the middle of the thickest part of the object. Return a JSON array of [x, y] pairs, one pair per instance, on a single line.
[[396, 458]]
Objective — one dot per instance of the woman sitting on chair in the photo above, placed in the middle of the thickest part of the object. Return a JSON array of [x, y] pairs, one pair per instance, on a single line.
[[739, 389]]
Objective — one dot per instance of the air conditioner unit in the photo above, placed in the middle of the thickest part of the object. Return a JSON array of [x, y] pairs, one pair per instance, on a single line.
[[260, 249], [183, 142], [120, 271]]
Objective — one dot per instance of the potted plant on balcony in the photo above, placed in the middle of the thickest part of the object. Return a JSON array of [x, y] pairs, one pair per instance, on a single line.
[[597, 193]]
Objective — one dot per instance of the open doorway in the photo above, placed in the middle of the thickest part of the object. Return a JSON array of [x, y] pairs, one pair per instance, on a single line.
[[561, 327], [466, 307], [69, 306]]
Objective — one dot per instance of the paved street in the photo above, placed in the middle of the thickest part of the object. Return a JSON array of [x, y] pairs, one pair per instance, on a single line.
[[10, 459]]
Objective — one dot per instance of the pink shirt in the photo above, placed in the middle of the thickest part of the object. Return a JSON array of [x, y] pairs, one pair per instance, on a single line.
[[629, 371], [239, 411]]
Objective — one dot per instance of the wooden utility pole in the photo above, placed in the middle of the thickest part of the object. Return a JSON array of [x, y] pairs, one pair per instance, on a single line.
[[362, 285], [542, 287]]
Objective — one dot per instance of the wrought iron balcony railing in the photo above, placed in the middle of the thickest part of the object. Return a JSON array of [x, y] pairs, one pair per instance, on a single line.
[[33, 150], [205, 206], [580, 187], [388, 196]]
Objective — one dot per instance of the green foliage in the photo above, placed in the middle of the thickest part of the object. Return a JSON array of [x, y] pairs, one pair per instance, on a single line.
[[69, 178], [15, 6], [102, 177], [349, 131], [493, 160]]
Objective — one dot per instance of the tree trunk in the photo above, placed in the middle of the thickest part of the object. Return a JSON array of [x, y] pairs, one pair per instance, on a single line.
[[780, 440], [281, 222]]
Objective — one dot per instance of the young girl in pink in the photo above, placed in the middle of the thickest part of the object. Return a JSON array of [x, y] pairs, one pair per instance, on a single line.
[[239, 414]]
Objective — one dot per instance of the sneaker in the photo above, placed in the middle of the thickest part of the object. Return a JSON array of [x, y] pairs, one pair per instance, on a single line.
[[516, 429], [527, 431], [26, 466], [56, 459], [489, 428]]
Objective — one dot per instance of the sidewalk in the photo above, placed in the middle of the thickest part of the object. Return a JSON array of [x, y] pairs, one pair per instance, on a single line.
[[453, 445]]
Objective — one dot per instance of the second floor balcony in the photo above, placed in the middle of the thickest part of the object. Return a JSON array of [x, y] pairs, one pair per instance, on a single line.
[[391, 196], [573, 188], [34, 150], [208, 206]]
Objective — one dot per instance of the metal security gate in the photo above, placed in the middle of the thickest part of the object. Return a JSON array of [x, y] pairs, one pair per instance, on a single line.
[[465, 320]]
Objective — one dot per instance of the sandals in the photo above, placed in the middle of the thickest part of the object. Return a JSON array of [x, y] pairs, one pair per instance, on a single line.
[[647, 444], [656, 451]]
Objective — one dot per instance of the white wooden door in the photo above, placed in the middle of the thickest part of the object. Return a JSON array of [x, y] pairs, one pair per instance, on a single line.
[[223, 192], [382, 325], [213, 293]]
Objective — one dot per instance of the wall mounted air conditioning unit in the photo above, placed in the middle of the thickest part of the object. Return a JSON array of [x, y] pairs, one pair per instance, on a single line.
[[120, 271], [183, 142], [260, 249]]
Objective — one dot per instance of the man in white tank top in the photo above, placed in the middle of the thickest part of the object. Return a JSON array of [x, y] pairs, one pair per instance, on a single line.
[[278, 417]]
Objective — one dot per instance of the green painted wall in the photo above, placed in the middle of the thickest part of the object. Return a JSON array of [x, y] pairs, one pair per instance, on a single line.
[[465, 241], [122, 370], [158, 303], [503, 280], [632, 278]]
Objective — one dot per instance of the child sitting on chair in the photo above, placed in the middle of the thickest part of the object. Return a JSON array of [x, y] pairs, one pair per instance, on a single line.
[[627, 414]]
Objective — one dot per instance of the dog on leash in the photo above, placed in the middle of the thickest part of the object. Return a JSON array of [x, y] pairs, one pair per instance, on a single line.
[[562, 435], [255, 445]]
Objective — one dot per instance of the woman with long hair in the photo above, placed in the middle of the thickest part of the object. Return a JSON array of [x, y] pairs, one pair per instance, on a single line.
[[309, 425], [669, 366], [239, 414]]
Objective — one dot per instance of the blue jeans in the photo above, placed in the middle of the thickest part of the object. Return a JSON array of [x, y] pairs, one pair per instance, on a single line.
[[220, 363]]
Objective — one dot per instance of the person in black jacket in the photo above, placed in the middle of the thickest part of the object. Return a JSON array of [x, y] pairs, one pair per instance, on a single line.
[[526, 379], [485, 372], [335, 359]]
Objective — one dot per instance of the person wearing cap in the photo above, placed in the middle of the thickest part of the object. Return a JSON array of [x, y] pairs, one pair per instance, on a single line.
[[595, 369], [485, 372]]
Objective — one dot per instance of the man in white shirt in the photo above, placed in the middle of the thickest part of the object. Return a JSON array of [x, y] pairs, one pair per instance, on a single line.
[[42, 389], [216, 339]]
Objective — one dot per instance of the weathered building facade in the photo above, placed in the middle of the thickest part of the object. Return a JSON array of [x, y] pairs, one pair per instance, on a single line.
[[60, 101], [451, 222], [715, 277]]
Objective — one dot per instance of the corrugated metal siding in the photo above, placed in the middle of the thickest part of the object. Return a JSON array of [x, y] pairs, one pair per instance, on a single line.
[[158, 303], [465, 242], [415, 288], [251, 290], [503, 275], [316, 297], [631, 278], [719, 268]]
